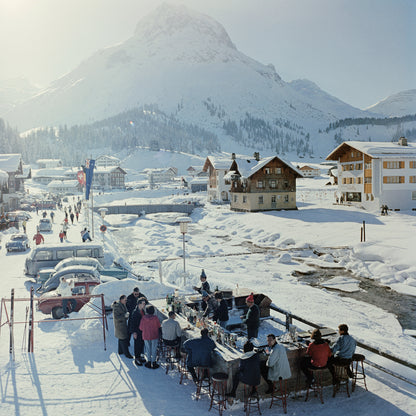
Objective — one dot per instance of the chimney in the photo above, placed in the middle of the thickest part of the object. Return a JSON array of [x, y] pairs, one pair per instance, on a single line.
[[256, 156], [402, 141], [232, 156]]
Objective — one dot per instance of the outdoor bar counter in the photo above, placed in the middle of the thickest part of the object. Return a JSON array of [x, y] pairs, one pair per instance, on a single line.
[[229, 342]]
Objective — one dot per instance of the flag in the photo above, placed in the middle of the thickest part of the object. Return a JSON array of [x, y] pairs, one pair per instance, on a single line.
[[81, 177], [89, 171]]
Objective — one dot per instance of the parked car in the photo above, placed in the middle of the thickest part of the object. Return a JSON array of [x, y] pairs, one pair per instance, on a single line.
[[45, 225], [51, 302], [17, 242], [77, 273], [49, 255], [19, 215]]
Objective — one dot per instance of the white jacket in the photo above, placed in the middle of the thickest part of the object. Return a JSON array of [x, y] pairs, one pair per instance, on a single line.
[[278, 364], [65, 288]]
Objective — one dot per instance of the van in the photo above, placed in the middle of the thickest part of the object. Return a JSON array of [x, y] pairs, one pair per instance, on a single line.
[[49, 255]]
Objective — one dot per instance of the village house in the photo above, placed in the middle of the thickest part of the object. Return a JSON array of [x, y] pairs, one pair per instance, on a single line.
[[196, 171], [49, 163], [13, 191], [218, 187], [199, 184], [161, 175], [372, 174], [309, 172], [105, 161], [262, 185], [47, 175], [68, 187], [109, 178]]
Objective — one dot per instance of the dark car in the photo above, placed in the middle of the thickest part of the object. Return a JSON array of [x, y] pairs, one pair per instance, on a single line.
[[17, 242], [51, 302]]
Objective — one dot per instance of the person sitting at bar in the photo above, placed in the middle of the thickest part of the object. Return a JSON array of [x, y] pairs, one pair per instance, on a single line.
[[277, 365], [221, 313], [251, 318], [208, 305], [342, 351], [204, 284], [249, 370], [199, 352], [172, 332], [317, 356]]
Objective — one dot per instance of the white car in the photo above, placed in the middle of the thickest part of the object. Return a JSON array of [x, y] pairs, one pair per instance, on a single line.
[[45, 225]]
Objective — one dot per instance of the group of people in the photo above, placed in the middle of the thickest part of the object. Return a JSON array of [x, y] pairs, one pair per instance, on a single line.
[[320, 355]]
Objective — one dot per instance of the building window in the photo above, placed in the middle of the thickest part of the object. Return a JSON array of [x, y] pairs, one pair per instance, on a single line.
[[286, 198], [261, 200], [235, 198], [413, 195], [272, 184], [367, 180], [393, 164], [412, 164], [259, 184], [273, 199], [266, 171], [359, 166], [359, 180], [367, 165], [412, 179], [278, 170], [244, 199], [393, 179]]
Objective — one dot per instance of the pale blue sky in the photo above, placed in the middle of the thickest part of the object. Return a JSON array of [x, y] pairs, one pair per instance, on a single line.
[[358, 50]]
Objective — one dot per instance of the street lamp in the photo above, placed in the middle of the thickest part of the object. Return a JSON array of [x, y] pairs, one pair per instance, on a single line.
[[102, 212], [183, 223]]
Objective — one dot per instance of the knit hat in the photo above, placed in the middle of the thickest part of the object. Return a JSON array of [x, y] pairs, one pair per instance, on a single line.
[[203, 274], [250, 298]]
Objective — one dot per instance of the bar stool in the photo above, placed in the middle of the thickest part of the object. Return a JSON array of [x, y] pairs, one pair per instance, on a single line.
[[161, 350], [358, 373], [183, 369], [203, 382], [218, 389], [279, 394], [171, 356], [316, 386], [341, 375], [251, 399]]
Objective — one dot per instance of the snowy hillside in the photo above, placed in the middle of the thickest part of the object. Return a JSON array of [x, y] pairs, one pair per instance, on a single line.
[[185, 63], [15, 91], [399, 104]]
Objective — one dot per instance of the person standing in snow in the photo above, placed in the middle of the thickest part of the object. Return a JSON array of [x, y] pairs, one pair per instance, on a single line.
[[38, 238], [65, 289], [149, 326], [204, 284], [133, 298], [121, 332], [134, 328], [251, 318], [72, 216]]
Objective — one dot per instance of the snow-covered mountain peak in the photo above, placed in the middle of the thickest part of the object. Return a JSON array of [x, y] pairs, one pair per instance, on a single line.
[[400, 104], [177, 25]]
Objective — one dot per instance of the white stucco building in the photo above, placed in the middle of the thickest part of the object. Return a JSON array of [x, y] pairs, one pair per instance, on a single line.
[[372, 174]]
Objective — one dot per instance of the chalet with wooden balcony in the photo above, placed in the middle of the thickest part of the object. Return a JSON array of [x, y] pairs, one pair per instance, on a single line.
[[262, 185], [371, 174]]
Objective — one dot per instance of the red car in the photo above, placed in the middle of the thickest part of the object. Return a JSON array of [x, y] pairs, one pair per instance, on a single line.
[[51, 302]]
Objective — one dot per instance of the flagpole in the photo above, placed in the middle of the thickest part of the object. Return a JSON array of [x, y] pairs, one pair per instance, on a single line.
[[92, 211]]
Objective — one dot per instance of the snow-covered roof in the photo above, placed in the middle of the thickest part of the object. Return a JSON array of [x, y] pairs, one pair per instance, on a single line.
[[201, 181], [10, 162], [4, 177], [108, 158], [375, 149], [109, 169], [220, 163], [248, 167], [63, 184], [51, 172], [48, 160]]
